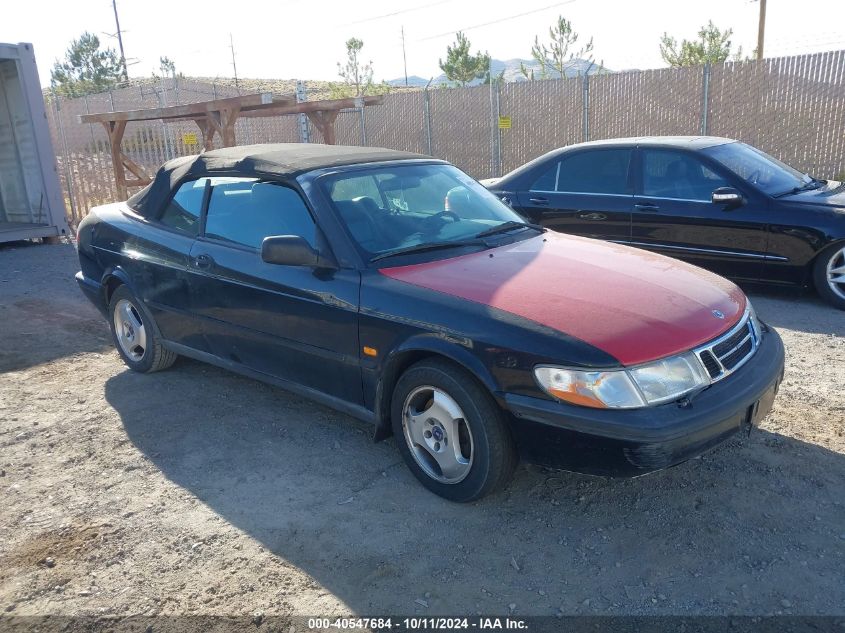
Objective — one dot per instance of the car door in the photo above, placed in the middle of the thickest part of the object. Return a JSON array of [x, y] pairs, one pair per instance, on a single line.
[[156, 257], [674, 215], [296, 323], [586, 192]]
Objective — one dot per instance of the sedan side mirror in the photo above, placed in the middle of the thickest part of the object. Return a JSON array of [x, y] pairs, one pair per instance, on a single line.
[[293, 250], [728, 197]]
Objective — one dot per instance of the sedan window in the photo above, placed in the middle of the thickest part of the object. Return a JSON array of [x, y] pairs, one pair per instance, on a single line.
[[182, 213], [678, 175], [758, 168], [246, 211], [602, 171]]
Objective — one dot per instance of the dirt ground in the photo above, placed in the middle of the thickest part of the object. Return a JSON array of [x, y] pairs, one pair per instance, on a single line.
[[195, 491]]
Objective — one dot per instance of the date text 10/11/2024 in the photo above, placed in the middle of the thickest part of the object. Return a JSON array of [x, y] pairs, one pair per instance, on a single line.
[[417, 624]]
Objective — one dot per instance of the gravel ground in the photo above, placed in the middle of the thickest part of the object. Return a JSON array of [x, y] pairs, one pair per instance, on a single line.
[[195, 491]]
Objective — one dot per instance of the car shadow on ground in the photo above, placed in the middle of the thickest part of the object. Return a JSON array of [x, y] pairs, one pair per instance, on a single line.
[[749, 527]]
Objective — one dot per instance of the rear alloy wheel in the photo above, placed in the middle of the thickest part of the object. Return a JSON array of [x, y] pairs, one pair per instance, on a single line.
[[451, 433], [829, 275], [135, 334]]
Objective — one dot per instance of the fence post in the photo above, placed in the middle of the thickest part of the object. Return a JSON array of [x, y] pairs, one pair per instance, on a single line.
[[304, 132], [427, 114], [705, 98], [65, 159], [359, 102], [494, 125], [498, 130], [585, 123]]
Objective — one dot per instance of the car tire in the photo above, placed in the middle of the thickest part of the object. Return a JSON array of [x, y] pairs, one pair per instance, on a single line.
[[435, 403], [136, 335], [830, 259]]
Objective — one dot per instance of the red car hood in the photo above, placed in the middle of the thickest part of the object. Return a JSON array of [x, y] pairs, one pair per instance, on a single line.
[[634, 305]]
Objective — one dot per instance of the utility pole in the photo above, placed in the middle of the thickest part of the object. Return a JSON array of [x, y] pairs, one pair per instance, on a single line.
[[234, 66], [120, 41], [761, 29], [404, 59]]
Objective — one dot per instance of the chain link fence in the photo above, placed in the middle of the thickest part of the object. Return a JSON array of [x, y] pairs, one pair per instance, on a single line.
[[791, 107]]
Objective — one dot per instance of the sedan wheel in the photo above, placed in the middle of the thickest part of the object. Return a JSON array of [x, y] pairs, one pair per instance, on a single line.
[[437, 434], [135, 334], [829, 275], [836, 273], [453, 436], [129, 329]]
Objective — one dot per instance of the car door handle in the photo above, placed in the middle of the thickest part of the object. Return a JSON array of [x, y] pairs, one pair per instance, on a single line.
[[543, 201], [647, 208], [203, 261], [592, 216]]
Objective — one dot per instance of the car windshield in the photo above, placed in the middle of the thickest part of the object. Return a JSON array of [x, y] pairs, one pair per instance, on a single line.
[[402, 208], [769, 174]]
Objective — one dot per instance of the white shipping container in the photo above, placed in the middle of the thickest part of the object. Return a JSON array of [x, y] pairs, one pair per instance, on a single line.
[[31, 203]]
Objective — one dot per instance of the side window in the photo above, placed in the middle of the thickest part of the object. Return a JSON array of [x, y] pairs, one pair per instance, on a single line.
[[183, 211], [246, 211], [548, 181], [603, 171], [671, 174]]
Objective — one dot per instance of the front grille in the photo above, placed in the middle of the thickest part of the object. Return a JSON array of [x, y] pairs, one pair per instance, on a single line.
[[729, 352], [729, 343], [710, 363], [730, 361]]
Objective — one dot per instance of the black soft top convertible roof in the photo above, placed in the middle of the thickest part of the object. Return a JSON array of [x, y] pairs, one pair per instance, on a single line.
[[285, 160]]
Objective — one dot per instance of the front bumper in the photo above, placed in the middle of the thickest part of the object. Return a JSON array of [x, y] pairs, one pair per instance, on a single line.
[[638, 441]]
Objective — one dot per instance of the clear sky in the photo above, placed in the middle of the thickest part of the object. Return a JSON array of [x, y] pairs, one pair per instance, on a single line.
[[304, 38]]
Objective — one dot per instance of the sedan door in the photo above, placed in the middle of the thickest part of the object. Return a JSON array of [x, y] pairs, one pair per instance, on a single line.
[[295, 323], [674, 215], [587, 192], [156, 256]]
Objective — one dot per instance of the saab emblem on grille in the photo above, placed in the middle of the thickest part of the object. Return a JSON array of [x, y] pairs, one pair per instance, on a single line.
[[718, 314]]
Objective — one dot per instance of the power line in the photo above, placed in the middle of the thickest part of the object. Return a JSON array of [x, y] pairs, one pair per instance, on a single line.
[[510, 17], [390, 15]]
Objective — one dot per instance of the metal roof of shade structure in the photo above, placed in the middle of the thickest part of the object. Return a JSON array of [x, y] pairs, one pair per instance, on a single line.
[[217, 116]]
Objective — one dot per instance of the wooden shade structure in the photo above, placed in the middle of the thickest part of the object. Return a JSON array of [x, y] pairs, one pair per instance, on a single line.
[[217, 116]]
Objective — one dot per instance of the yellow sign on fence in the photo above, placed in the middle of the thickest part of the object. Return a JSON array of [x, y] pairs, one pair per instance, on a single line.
[[504, 123], [189, 138]]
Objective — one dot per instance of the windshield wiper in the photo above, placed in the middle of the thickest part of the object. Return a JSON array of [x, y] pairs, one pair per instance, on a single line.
[[815, 183], [428, 246], [509, 226]]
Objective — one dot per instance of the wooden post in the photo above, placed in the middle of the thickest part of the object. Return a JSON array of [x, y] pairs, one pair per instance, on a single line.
[[207, 132], [114, 130], [324, 122], [227, 118]]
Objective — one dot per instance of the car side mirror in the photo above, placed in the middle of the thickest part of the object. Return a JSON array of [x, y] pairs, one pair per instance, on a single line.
[[727, 197], [293, 250]]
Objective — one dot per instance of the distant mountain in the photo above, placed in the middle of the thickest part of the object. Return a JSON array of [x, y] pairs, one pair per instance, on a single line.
[[512, 72], [413, 80]]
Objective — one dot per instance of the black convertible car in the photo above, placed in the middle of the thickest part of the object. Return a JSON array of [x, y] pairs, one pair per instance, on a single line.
[[713, 202], [394, 287]]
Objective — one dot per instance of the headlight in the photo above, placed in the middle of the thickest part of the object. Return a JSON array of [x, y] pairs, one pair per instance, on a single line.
[[650, 384]]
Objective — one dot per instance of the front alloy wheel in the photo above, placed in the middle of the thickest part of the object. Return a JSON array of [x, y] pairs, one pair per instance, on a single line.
[[437, 434], [452, 435], [829, 275]]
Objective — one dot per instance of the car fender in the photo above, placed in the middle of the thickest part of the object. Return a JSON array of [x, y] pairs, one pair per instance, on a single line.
[[408, 352], [111, 273]]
